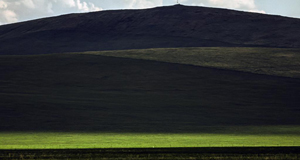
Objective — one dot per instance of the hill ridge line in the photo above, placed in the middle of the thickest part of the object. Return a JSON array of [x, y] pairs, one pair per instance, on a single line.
[[160, 27]]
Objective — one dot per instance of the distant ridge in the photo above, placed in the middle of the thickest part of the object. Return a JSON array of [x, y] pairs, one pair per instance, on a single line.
[[161, 27]]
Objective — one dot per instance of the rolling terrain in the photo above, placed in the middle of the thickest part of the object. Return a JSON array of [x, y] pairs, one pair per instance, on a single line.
[[161, 27], [283, 62], [174, 76], [90, 92]]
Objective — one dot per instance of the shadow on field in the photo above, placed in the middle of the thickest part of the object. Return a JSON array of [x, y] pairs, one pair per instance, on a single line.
[[258, 153], [90, 93]]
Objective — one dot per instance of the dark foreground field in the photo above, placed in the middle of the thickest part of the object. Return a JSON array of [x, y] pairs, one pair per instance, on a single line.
[[256, 153], [108, 99], [95, 93]]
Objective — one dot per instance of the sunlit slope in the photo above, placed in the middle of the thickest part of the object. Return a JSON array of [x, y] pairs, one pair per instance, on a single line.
[[86, 92], [270, 61]]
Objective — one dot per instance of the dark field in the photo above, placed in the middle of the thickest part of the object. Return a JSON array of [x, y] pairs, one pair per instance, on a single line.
[[53, 106], [48, 97], [94, 93], [258, 153], [98, 101]]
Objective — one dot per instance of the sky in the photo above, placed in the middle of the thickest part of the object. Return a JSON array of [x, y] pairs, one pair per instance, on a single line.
[[12, 11]]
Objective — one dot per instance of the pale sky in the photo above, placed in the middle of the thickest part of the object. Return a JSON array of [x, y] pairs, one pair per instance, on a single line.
[[12, 11]]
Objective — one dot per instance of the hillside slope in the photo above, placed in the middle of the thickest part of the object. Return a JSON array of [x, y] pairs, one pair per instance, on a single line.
[[161, 27], [270, 61], [84, 92]]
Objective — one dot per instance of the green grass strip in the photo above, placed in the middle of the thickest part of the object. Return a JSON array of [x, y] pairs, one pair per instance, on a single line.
[[135, 140]]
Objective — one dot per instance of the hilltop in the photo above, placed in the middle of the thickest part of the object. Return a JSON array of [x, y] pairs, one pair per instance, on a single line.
[[161, 27]]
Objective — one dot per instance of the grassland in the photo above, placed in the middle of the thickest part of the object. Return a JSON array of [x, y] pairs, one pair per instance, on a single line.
[[270, 61], [203, 153], [189, 97], [208, 153], [266, 136], [90, 93]]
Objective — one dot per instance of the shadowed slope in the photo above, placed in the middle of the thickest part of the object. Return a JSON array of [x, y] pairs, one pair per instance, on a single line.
[[161, 27], [270, 61], [71, 92]]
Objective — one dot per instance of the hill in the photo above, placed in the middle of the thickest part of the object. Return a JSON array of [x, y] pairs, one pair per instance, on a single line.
[[101, 92], [270, 61], [161, 27]]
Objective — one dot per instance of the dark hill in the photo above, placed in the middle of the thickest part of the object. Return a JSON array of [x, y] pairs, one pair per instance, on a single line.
[[81, 92], [172, 26]]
